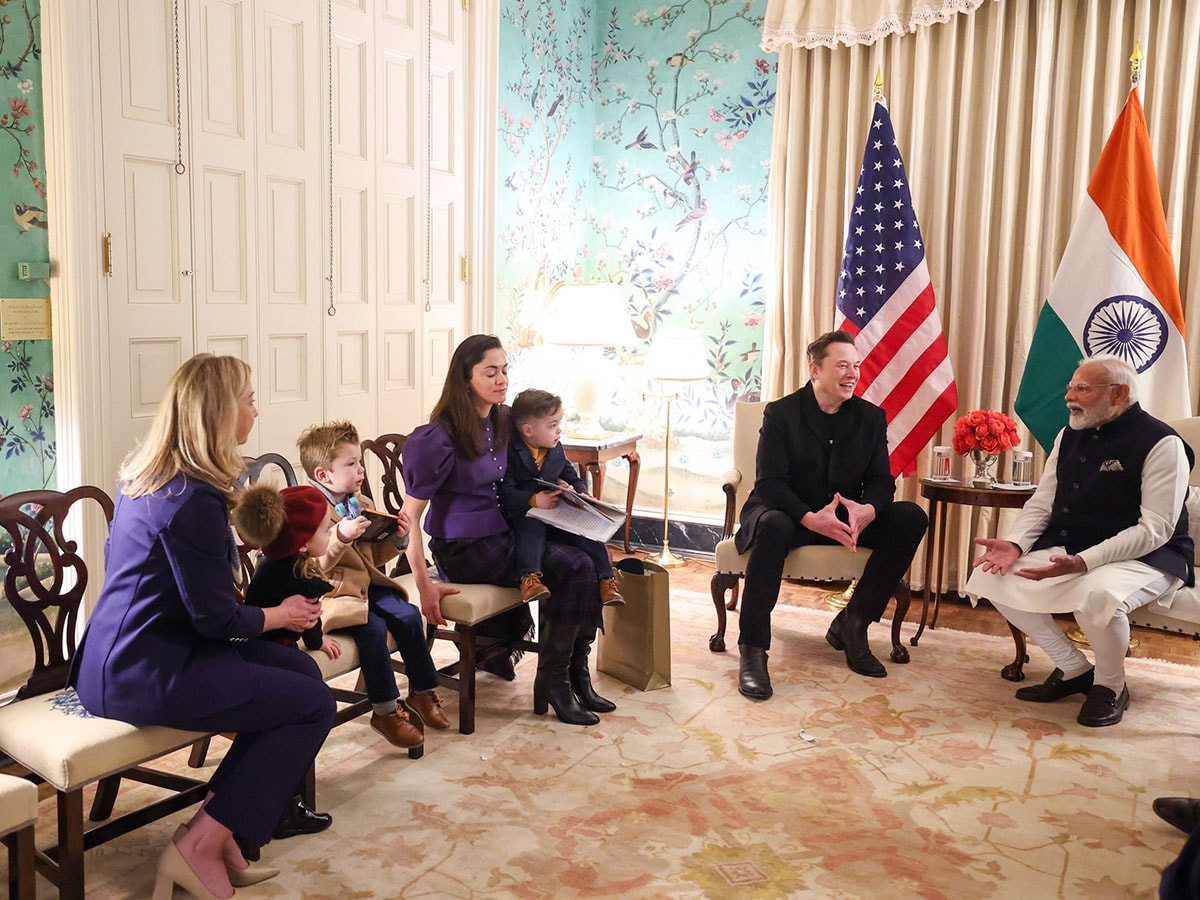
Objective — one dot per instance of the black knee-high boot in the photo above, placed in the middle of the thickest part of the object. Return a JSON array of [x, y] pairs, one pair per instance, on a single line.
[[581, 678], [552, 685]]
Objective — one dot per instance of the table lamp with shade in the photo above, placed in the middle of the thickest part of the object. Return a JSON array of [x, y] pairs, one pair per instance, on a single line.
[[676, 354], [591, 316]]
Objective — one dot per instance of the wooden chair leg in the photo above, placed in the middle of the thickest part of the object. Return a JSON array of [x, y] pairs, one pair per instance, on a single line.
[[466, 680], [70, 845], [903, 598], [1014, 671], [721, 582], [105, 799], [22, 874], [199, 753]]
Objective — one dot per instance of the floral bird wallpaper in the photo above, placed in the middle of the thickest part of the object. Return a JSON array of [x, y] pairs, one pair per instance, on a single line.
[[635, 144], [27, 448]]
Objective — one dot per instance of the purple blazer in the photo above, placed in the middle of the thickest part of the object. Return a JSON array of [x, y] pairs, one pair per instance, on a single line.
[[462, 493], [158, 639]]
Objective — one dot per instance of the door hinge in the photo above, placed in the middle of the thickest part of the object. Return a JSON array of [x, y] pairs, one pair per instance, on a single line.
[[466, 4], [465, 268], [106, 253]]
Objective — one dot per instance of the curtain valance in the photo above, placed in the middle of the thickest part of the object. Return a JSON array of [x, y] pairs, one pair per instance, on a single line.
[[827, 23]]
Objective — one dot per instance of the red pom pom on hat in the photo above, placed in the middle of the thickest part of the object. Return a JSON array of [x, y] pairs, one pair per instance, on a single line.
[[305, 508]]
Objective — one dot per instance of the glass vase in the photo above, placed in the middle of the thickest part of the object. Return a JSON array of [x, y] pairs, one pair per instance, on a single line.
[[983, 477]]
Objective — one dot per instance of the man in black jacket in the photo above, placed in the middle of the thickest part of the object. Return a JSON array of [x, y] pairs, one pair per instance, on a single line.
[[823, 478]]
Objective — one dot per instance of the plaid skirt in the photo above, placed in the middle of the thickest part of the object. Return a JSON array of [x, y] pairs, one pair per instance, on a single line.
[[567, 572]]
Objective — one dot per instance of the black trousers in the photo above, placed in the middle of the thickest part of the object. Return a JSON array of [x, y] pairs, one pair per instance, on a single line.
[[893, 538], [279, 732], [1181, 879]]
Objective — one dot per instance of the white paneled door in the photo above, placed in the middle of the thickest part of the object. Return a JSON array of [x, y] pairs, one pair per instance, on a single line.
[[221, 211]]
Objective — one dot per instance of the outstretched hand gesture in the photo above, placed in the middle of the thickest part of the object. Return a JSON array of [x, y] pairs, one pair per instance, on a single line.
[[998, 556]]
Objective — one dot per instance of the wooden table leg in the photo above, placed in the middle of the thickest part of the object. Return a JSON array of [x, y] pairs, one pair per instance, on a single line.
[[930, 543], [941, 568], [635, 465], [597, 472]]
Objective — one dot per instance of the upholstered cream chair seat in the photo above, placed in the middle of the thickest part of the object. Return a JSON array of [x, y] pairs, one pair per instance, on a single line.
[[814, 563], [18, 812]]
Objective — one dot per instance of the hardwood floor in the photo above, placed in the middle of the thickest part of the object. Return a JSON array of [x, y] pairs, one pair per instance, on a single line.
[[956, 615]]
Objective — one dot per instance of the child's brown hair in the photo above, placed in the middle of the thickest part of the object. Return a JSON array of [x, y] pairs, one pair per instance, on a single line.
[[534, 404], [319, 444]]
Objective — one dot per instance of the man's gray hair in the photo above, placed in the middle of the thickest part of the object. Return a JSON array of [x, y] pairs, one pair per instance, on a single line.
[[1118, 371]]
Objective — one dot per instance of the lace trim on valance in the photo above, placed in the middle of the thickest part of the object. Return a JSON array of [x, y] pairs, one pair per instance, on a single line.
[[779, 36]]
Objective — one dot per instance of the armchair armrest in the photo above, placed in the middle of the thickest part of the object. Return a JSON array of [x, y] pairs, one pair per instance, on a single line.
[[729, 484]]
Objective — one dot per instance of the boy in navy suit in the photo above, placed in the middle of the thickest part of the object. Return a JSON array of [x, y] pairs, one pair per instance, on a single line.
[[534, 453]]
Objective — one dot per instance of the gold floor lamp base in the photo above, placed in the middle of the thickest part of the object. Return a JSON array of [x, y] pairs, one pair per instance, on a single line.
[[666, 558], [1076, 634], [839, 599]]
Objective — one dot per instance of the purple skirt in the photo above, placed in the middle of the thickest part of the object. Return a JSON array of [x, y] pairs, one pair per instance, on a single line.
[[567, 571]]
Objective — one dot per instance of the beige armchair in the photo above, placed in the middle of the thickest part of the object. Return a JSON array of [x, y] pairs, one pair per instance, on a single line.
[[815, 563], [1183, 615]]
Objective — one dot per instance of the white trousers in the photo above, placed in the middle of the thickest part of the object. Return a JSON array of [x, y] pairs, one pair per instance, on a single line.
[[1109, 641]]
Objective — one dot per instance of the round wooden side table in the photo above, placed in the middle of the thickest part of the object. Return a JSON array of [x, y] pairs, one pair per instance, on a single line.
[[942, 495]]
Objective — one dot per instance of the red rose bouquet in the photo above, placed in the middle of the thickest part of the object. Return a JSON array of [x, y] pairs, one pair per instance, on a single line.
[[987, 430]]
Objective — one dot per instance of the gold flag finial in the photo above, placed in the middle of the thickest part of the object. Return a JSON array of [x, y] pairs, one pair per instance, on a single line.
[[1135, 64], [878, 85]]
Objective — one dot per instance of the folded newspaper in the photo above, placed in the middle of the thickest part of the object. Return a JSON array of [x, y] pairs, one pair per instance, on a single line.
[[580, 514]]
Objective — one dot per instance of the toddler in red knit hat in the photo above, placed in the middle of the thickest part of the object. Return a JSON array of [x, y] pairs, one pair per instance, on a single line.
[[289, 526]]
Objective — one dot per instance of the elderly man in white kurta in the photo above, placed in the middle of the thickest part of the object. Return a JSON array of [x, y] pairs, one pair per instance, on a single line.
[[1105, 533]]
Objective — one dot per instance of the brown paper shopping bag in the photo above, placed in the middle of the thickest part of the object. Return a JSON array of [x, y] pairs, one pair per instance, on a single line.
[[636, 644]]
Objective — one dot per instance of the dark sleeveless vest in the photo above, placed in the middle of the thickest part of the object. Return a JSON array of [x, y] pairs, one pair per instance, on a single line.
[[1100, 490]]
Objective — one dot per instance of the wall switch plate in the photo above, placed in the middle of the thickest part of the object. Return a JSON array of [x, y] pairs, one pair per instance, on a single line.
[[33, 271]]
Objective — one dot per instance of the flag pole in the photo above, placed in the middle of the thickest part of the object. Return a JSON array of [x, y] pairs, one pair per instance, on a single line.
[[839, 599], [1135, 64]]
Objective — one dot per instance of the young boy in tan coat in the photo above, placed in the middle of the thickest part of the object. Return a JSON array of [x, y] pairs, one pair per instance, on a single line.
[[365, 602]]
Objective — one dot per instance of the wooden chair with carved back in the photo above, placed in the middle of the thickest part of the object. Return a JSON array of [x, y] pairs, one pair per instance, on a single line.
[[473, 605], [44, 727]]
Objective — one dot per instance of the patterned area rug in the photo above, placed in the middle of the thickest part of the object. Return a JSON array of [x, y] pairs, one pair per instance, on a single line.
[[934, 782]]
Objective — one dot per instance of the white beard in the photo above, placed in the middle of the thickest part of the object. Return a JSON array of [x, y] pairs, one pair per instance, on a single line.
[[1084, 419]]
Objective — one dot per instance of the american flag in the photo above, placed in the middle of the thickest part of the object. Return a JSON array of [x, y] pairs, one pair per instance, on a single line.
[[885, 299]]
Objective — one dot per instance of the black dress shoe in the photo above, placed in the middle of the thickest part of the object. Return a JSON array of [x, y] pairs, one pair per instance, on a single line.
[[299, 819], [849, 633], [1182, 812], [753, 680], [1055, 687], [501, 666], [1103, 707]]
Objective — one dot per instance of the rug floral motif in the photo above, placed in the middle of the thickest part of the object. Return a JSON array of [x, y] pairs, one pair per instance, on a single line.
[[934, 782]]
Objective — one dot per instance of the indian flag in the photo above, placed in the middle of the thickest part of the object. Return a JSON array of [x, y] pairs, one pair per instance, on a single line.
[[1114, 291]]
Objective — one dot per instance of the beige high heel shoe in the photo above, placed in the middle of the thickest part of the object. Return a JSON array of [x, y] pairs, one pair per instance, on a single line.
[[252, 874], [174, 870]]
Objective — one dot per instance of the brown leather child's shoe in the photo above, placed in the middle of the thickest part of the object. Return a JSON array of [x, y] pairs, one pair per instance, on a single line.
[[428, 705], [609, 595], [533, 589], [398, 729]]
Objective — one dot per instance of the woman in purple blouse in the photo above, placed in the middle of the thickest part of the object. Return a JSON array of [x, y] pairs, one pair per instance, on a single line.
[[452, 466]]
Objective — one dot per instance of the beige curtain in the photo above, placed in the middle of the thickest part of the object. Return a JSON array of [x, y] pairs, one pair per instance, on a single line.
[[827, 23], [1000, 116]]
